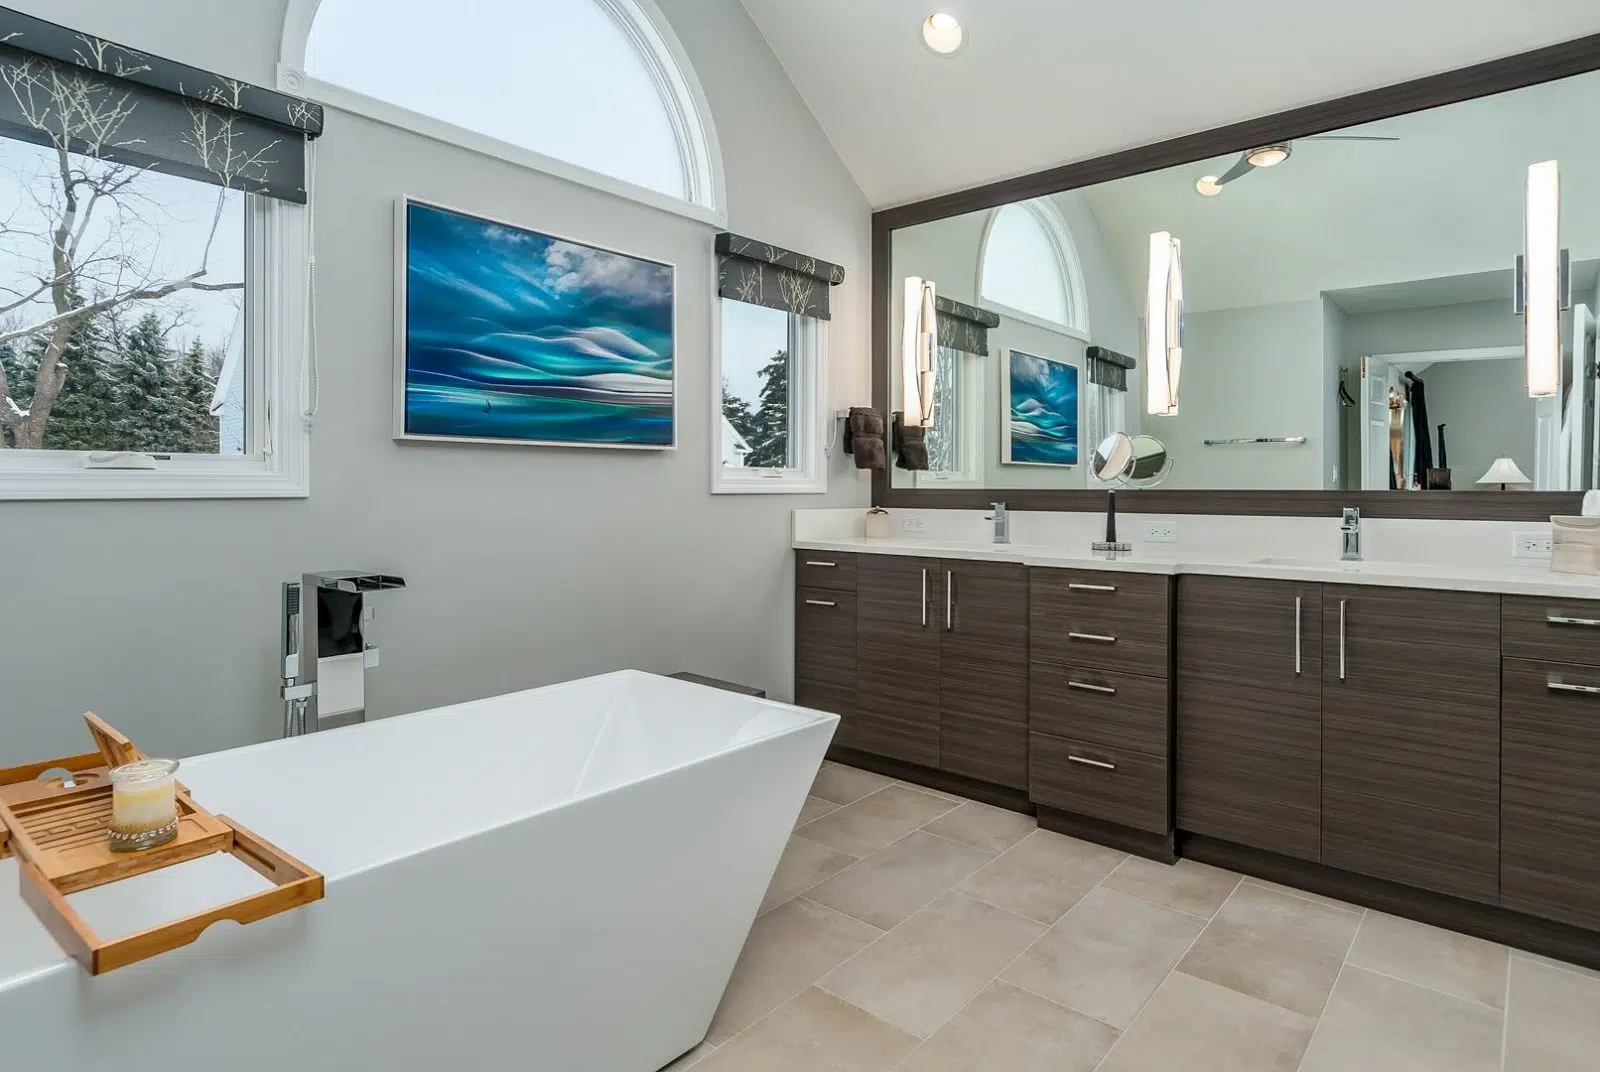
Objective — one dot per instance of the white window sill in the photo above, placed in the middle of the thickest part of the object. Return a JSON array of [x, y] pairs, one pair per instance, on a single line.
[[205, 481], [1081, 334], [746, 483]]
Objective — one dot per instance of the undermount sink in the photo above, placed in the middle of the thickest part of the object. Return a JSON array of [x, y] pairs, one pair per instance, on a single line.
[[1354, 566], [1310, 563]]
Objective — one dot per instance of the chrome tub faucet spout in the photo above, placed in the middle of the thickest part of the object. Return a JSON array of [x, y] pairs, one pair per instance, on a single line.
[[1350, 530]]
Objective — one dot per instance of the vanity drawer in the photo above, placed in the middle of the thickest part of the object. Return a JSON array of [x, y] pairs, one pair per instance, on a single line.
[[1561, 630], [1107, 708], [825, 569], [1114, 784], [1109, 621]]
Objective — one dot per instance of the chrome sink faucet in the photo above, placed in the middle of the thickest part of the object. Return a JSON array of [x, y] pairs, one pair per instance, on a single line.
[[1002, 523], [1350, 529]]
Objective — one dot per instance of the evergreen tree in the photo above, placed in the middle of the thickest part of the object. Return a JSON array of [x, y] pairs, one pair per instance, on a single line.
[[769, 446], [194, 390], [87, 400], [148, 415], [737, 411]]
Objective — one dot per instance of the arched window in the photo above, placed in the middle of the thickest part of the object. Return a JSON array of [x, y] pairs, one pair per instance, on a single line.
[[591, 90], [1029, 266]]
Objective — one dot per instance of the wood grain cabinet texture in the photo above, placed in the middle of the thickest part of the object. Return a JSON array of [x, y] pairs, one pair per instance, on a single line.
[[983, 672], [1411, 737], [1100, 700], [825, 655], [1249, 713], [898, 632]]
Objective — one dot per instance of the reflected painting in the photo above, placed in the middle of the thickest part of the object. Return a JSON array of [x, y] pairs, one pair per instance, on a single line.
[[1042, 400], [513, 336]]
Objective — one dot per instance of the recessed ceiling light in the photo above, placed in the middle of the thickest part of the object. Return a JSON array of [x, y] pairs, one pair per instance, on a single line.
[[942, 33], [1207, 186], [1267, 155]]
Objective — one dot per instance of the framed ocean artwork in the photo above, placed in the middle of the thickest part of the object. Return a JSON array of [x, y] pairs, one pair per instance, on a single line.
[[1041, 419], [510, 335]]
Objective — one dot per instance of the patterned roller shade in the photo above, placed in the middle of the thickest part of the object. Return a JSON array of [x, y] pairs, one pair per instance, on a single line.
[[1109, 368], [763, 274], [964, 327], [90, 96]]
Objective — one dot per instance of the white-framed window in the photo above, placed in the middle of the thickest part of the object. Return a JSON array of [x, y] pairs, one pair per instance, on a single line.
[[1028, 268], [767, 391], [152, 334], [598, 92], [955, 440]]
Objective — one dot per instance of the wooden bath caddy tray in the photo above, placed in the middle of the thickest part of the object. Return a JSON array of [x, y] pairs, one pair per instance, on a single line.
[[58, 835]]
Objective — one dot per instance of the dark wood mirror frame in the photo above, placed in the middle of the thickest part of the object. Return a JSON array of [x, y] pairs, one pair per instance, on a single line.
[[1481, 80]]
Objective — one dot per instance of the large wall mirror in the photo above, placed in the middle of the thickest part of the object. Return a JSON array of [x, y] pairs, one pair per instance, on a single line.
[[1350, 316]]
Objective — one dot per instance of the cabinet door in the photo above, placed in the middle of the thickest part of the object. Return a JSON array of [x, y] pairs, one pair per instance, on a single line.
[[1411, 737], [899, 612], [983, 672], [825, 656], [1249, 712], [1550, 791]]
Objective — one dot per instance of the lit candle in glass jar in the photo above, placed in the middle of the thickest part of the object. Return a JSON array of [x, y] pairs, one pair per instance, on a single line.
[[144, 804]]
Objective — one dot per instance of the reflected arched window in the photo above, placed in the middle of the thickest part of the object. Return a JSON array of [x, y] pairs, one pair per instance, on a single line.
[[1030, 266], [592, 83]]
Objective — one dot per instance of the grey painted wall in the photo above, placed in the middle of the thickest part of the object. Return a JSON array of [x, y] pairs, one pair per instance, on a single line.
[[526, 566], [1248, 373], [1490, 415]]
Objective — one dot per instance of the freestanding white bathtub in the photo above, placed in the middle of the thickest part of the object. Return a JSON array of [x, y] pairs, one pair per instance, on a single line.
[[558, 880]]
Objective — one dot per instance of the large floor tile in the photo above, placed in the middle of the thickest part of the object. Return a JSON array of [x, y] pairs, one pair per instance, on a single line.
[[1553, 1023], [874, 821], [1552, 962], [846, 785], [889, 886], [1106, 956], [789, 948], [690, 1059], [1191, 1025], [983, 827], [804, 864], [941, 794], [816, 1032], [1377, 1024], [1305, 895], [814, 808], [1443, 960], [1011, 1030], [1275, 947], [1043, 875], [1187, 886], [920, 974]]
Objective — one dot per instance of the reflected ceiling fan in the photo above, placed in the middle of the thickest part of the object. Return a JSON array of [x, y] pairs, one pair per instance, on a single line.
[[1270, 155]]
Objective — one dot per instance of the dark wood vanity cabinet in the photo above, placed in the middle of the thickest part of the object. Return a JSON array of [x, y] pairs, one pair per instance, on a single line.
[[1100, 709], [1249, 712], [825, 637], [898, 601], [983, 672], [1411, 737], [1550, 760]]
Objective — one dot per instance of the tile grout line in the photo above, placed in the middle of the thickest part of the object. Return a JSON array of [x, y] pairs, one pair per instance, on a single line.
[[1422, 986], [1170, 973], [1343, 964], [1505, 1024]]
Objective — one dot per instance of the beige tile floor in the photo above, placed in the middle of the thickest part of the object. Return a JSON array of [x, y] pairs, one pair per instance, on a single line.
[[914, 931]]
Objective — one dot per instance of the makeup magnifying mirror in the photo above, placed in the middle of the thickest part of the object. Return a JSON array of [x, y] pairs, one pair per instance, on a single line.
[[1125, 461]]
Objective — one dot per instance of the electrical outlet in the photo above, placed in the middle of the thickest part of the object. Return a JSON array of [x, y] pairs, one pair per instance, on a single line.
[[1161, 532], [1531, 545], [914, 523]]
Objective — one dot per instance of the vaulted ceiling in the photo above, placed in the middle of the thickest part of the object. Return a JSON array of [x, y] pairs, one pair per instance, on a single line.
[[1046, 82]]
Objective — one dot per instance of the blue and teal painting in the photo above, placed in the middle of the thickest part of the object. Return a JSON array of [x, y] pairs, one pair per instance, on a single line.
[[516, 336], [1044, 411]]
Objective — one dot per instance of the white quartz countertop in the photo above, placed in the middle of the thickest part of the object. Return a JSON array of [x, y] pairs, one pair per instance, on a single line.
[[1532, 579]]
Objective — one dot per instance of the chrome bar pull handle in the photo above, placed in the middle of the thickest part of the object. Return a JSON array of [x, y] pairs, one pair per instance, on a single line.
[[1083, 686], [1561, 686], [1098, 764], [1299, 602], [924, 597], [949, 601], [1092, 587], [1558, 619], [1093, 638], [822, 565], [821, 603], [1342, 605]]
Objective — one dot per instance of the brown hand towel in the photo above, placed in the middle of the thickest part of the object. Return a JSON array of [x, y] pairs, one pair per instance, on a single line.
[[863, 438], [913, 448]]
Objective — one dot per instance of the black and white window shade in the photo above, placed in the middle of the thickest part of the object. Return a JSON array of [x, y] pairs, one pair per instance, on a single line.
[[760, 273], [964, 327], [82, 94], [1107, 368]]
